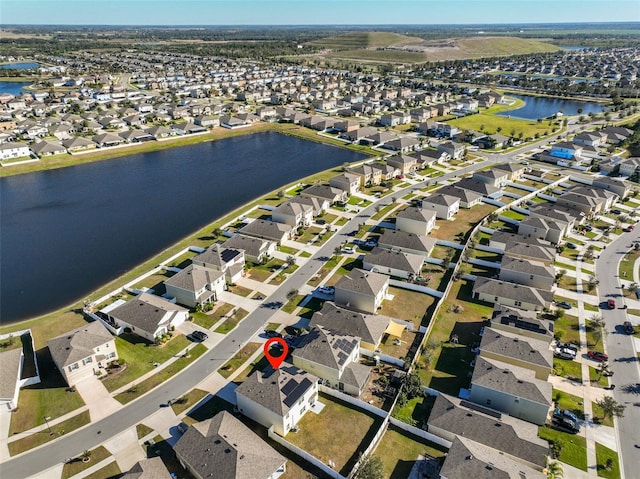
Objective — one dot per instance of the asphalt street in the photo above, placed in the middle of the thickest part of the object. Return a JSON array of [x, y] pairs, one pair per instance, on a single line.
[[623, 360]]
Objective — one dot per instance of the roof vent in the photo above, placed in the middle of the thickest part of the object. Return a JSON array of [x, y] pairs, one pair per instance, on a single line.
[[217, 441], [227, 451], [469, 457]]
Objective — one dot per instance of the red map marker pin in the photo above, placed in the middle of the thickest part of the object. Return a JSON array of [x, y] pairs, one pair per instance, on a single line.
[[275, 361]]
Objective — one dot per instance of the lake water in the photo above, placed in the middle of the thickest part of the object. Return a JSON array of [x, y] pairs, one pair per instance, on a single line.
[[15, 88], [542, 107], [67, 232], [19, 66]]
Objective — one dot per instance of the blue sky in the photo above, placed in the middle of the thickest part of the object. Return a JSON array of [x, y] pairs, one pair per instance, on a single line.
[[308, 12]]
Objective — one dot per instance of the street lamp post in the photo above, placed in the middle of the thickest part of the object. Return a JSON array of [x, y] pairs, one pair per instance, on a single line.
[[47, 419]]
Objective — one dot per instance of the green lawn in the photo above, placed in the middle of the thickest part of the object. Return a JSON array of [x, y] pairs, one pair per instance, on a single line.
[[489, 124], [415, 411], [603, 382], [568, 328], [351, 430], [566, 266], [143, 430], [238, 359], [208, 320], [598, 415], [151, 382], [627, 264], [98, 454], [232, 322], [407, 305], [603, 453], [574, 447], [39, 438], [288, 250], [514, 215], [399, 450], [139, 356], [570, 402], [293, 303], [185, 402], [566, 368], [240, 290], [108, 471]]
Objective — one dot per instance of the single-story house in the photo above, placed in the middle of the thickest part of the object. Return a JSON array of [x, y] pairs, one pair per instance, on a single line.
[[393, 263], [147, 315], [511, 294]]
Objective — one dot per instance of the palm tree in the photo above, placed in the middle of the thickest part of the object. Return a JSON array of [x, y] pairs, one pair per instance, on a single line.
[[554, 470], [292, 294], [291, 260], [610, 407]]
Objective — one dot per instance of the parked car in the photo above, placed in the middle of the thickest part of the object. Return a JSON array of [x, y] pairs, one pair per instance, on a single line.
[[611, 303], [565, 420], [564, 353], [327, 290], [616, 212], [559, 413], [628, 327], [270, 333], [563, 304], [571, 246], [571, 346], [596, 356], [199, 336], [348, 250]]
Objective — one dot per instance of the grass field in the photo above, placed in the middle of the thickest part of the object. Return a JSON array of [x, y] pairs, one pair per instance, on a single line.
[[603, 453], [399, 450], [362, 39], [574, 448], [489, 124]]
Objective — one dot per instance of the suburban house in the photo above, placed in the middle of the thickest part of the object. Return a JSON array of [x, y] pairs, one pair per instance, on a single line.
[[469, 459], [317, 205], [629, 166], [195, 285], [333, 357], [480, 187], [428, 157], [513, 349], [531, 252], [558, 213], [524, 323], [616, 134], [515, 170], [147, 469], [511, 294], [467, 198], [370, 328], [368, 175], [419, 221], [454, 150], [83, 352], [346, 182], [452, 417], [617, 186], [406, 242], [293, 214], [256, 250], [403, 144], [494, 177], [225, 260], [587, 205], [362, 290], [11, 150], [15, 367], [590, 138], [325, 192], [393, 263], [510, 389], [224, 447], [277, 398], [445, 206], [543, 229], [147, 315], [387, 172], [565, 150], [406, 164], [527, 272], [48, 148], [500, 240], [268, 230]]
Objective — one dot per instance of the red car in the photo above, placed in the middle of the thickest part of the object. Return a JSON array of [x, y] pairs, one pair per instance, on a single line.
[[596, 356], [611, 303]]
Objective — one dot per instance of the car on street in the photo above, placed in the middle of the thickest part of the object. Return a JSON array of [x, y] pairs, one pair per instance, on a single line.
[[597, 356], [270, 333], [628, 327], [326, 290], [563, 304], [611, 303], [199, 336]]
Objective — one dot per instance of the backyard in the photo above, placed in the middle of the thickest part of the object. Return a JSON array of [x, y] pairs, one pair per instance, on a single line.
[[464, 222], [407, 305], [336, 434]]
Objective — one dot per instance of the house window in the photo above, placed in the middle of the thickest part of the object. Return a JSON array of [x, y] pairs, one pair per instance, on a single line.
[[87, 360], [518, 303], [488, 402], [495, 298], [73, 367]]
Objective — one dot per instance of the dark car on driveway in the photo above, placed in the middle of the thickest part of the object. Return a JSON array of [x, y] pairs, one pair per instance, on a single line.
[[199, 336], [563, 305], [596, 356], [270, 333]]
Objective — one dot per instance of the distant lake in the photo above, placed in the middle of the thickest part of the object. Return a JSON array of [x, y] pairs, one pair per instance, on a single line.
[[573, 47], [67, 232], [18, 66], [542, 107], [15, 88]]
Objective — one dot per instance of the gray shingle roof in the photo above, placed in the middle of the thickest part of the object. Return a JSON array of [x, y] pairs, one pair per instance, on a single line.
[[417, 214], [518, 318], [532, 251], [251, 246], [277, 390], [326, 347], [361, 281], [145, 312], [393, 239], [78, 344], [517, 438], [411, 263], [224, 447], [368, 327], [194, 277], [440, 199], [516, 347], [510, 379], [217, 255], [527, 266], [266, 229], [152, 468], [469, 459], [10, 367]]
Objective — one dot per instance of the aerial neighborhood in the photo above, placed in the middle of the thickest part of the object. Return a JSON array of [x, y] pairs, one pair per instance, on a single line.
[[442, 289]]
